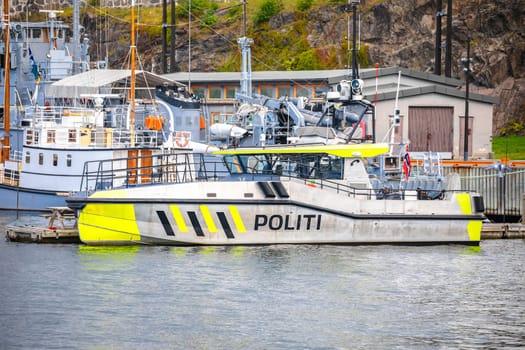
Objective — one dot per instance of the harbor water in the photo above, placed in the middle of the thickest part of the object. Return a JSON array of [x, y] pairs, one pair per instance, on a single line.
[[71, 296]]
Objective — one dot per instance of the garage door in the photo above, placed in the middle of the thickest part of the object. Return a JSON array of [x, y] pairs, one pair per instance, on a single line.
[[430, 129]]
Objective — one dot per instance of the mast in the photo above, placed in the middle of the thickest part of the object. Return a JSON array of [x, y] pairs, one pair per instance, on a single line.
[[246, 71], [4, 154], [133, 48], [77, 61]]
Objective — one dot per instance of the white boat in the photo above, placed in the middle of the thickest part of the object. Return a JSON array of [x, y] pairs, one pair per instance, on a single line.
[[94, 115], [304, 194]]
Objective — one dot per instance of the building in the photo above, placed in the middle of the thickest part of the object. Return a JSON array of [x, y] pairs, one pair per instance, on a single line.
[[432, 108]]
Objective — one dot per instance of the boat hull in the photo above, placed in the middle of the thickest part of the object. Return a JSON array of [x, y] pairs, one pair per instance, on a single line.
[[123, 220], [27, 199]]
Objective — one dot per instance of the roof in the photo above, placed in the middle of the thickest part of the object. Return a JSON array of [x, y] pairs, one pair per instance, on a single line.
[[93, 81], [430, 83]]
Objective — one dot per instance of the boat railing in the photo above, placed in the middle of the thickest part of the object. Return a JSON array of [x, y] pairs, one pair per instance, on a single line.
[[171, 166]]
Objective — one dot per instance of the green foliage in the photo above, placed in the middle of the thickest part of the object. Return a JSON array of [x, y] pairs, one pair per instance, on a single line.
[[198, 7], [306, 60], [267, 10], [512, 127], [235, 12], [303, 5], [511, 147], [209, 18]]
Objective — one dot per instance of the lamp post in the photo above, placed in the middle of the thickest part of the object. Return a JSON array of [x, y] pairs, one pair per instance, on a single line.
[[466, 63]]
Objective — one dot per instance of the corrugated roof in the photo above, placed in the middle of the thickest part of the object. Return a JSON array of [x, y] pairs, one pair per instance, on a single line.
[[101, 80]]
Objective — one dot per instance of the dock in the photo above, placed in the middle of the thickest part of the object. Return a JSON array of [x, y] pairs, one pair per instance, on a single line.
[[60, 226], [502, 231]]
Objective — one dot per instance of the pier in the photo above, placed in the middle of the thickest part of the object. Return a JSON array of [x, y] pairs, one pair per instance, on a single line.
[[60, 227]]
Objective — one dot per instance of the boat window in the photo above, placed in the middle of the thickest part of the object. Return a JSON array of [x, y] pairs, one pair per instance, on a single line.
[[233, 164], [29, 137], [69, 160], [36, 33], [40, 158], [55, 159], [28, 157], [255, 164], [36, 136], [72, 136], [51, 134], [309, 166]]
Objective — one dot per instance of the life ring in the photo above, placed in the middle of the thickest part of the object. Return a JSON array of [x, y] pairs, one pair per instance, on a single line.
[[182, 138]]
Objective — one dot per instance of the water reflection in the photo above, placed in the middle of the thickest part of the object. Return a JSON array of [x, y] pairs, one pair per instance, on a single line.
[[286, 297]]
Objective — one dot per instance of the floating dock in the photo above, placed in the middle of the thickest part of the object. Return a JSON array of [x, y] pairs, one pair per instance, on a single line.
[[61, 227], [502, 231]]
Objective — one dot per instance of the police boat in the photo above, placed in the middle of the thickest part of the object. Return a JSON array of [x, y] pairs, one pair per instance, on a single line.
[[289, 194]]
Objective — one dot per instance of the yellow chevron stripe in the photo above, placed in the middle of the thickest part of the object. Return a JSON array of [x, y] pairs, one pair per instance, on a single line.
[[99, 223], [179, 220], [473, 227], [464, 202], [208, 219], [237, 218]]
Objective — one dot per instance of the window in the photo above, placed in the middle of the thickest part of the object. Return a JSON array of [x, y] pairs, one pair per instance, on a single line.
[[29, 137], [36, 137], [267, 90], [40, 158], [215, 92], [72, 136], [284, 90], [68, 160], [28, 157], [230, 91], [51, 134], [55, 159], [199, 91], [36, 33], [303, 90], [320, 90]]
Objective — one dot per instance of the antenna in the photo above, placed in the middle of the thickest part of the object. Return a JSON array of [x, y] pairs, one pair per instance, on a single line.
[[246, 69], [357, 84], [396, 118]]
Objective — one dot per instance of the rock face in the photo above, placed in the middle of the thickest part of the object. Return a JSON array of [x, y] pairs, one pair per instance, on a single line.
[[394, 33]]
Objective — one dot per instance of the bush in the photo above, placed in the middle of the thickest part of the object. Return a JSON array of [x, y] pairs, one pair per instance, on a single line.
[[307, 60], [303, 5], [268, 9]]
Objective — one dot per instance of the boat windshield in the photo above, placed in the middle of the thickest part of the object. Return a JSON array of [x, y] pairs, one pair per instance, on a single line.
[[307, 166]]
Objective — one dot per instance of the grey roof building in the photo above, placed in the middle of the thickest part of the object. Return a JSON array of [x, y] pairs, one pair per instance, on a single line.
[[432, 107]]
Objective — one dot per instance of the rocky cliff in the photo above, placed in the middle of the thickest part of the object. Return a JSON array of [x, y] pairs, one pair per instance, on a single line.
[[392, 33]]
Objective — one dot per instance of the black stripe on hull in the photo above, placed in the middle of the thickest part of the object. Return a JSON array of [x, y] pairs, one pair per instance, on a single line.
[[225, 225], [165, 223], [195, 223]]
